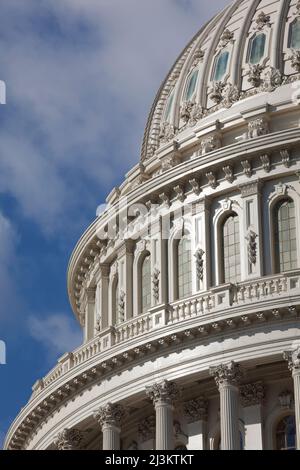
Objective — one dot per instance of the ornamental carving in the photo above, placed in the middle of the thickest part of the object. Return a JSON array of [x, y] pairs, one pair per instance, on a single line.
[[257, 127], [98, 325], [155, 283], [286, 399], [262, 20], [252, 394], [167, 132], [190, 113], [146, 428], [195, 186], [163, 392], [199, 255], [169, 162], [293, 359], [266, 164], [226, 374], [285, 158], [254, 75], [247, 168], [212, 181], [68, 439], [210, 143], [226, 38], [110, 414], [122, 296], [295, 59], [180, 195], [228, 173], [197, 57], [196, 410], [216, 92], [252, 247], [272, 79], [231, 94]]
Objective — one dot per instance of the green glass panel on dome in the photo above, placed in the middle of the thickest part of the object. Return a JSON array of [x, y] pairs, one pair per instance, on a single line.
[[221, 66], [295, 35], [257, 50], [191, 85], [169, 106]]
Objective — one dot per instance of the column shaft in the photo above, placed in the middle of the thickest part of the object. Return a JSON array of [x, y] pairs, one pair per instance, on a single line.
[[229, 399], [164, 425], [296, 377], [111, 437]]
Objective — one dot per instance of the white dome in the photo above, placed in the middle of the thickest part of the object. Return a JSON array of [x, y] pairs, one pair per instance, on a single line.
[[249, 48]]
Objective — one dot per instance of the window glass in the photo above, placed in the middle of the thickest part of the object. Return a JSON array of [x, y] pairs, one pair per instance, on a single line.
[[295, 35], [169, 106], [221, 66], [285, 236], [116, 302], [286, 434], [184, 268], [191, 85], [257, 50], [231, 250]]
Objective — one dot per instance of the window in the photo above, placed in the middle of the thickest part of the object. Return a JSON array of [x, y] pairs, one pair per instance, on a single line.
[[231, 249], [191, 85], [286, 434], [184, 267], [294, 38], [220, 66], [285, 236], [257, 48], [169, 106], [146, 284]]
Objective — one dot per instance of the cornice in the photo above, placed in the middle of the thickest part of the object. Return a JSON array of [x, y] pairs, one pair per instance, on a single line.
[[181, 335]]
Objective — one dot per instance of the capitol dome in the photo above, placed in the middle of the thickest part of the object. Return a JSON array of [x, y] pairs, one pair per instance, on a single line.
[[187, 286]]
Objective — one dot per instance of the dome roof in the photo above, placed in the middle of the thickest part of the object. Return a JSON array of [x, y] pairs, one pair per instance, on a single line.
[[251, 47]]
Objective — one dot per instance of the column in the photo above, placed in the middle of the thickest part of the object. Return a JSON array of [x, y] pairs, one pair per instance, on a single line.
[[163, 396], [196, 415], [89, 330], [110, 417], [125, 260], [293, 358], [252, 396], [227, 377], [68, 439]]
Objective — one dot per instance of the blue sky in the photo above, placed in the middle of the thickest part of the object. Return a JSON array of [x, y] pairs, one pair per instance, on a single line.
[[80, 78]]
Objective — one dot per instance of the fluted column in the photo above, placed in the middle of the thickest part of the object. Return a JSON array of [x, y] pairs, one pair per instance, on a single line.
[[227, 377], [163, 396], [110, 417], [293, 358], [68, 439]]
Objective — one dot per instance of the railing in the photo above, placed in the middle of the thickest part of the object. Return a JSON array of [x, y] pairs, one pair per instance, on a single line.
[[216, 300]]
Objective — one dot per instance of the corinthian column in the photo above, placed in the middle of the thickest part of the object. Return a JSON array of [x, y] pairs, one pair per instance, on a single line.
[[163, 396], [68, 439], [227, 378], [109, 417], [293, 358]]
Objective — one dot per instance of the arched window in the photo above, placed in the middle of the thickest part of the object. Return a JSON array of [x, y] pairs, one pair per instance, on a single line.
[[231, 249], [168, 107], [220, 66], [286, 434], [146, 283], [294, 36], [285, 236], [184, 263], [191, 85], [257, 48]]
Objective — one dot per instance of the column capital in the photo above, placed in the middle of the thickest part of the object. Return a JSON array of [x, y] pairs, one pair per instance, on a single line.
[[226, 374], [196, 410], [110, 414], [252, 394], [68, 439], [293, 359], [104, 269], [165, 391]]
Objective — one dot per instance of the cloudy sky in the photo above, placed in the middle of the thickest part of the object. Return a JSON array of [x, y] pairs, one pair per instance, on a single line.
[[80, 78]]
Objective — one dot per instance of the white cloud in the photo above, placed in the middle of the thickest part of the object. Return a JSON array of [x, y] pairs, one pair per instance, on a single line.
[[57, 333], [82, 74]]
